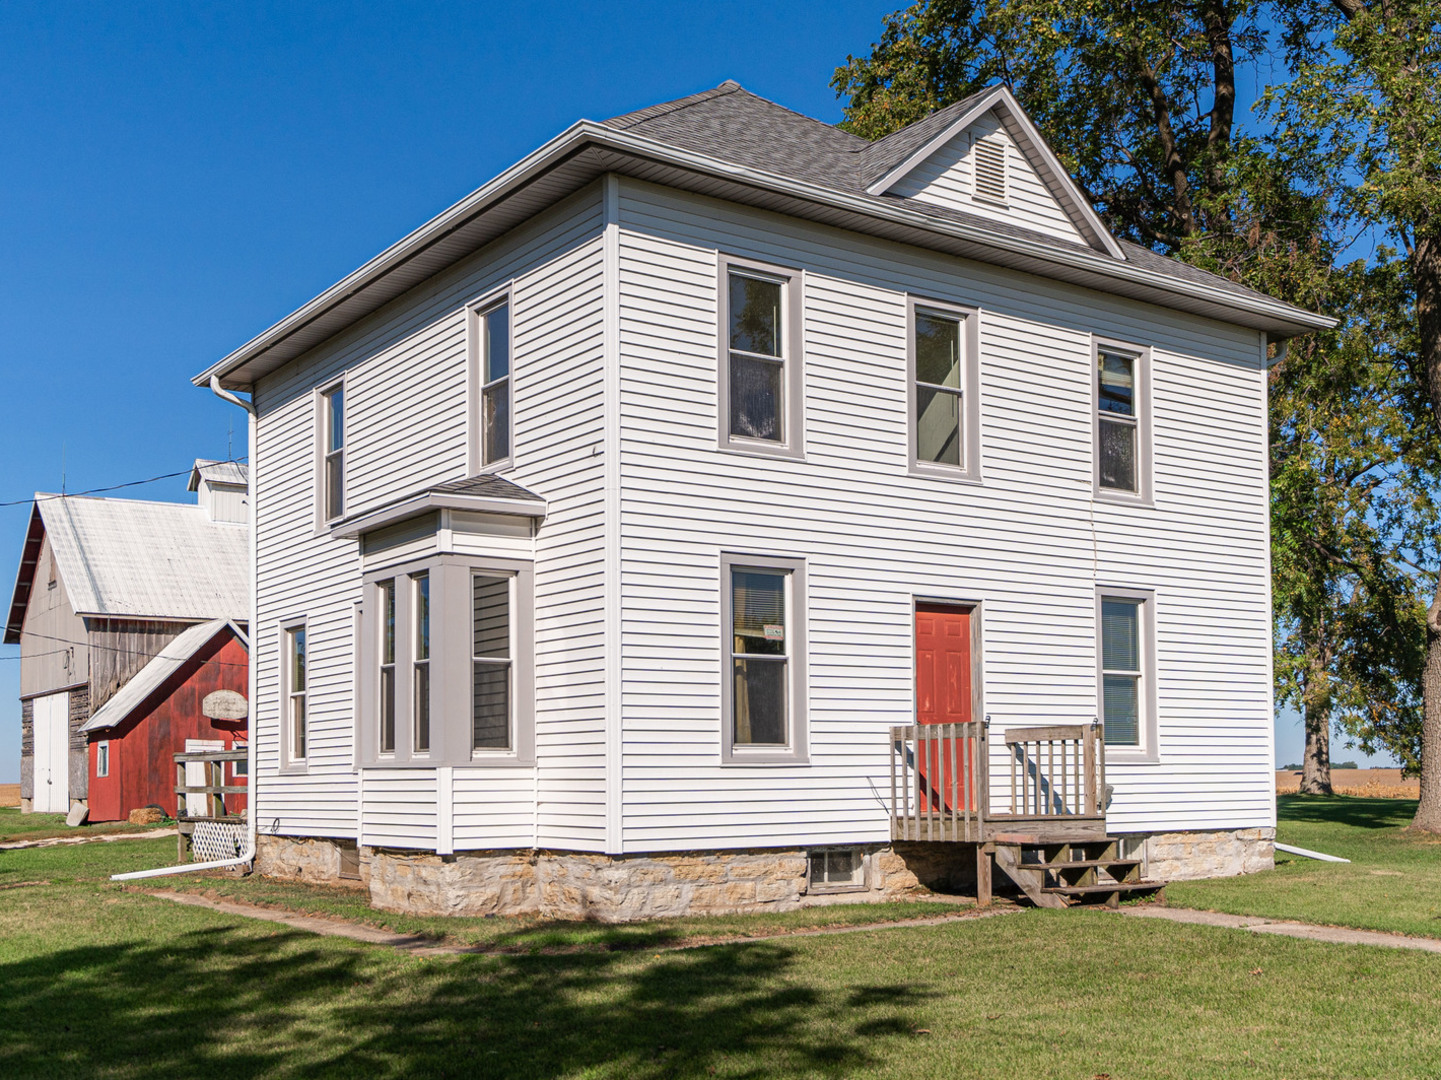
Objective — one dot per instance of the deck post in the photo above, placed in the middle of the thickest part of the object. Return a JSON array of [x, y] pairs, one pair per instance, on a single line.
[[983, 876], [1089, 749]]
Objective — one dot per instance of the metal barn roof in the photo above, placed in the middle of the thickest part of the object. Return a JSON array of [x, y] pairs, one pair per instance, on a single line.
[[233, 473], [153, 675], [125, 558]]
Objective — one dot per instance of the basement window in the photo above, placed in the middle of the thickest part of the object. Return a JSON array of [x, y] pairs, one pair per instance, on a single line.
[[837, 870]]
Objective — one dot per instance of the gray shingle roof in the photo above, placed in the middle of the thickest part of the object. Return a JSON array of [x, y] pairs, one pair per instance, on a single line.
[[488, 486], [731, 123]]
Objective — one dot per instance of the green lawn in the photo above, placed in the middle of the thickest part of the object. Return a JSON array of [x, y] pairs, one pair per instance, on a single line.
[[98, 981], [17, 826], [1393, 881]]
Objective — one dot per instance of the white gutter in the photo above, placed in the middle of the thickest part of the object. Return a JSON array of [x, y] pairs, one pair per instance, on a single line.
[[589, 133], [1306, 853], [247, 854]]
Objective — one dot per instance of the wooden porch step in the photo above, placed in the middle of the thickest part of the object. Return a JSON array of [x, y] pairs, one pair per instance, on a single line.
[[1109, 887], [1085, 864]]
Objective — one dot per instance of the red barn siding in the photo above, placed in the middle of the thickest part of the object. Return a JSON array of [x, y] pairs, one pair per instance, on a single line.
[[142, 768]]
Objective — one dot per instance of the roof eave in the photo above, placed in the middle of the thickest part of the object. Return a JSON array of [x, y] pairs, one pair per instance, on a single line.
[[1280, 318]]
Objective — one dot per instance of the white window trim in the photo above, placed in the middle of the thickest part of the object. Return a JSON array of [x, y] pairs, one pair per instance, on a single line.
[[475, 336], [970, 317], [1144, 493], [102, 755], [324, 523], [450, 664], [797, 752], [793, 377], [1147, 751], [289, 762]]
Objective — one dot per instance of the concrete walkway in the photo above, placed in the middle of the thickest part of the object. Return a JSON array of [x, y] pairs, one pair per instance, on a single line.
[[421, 946], [56, 841], [1337, 935]]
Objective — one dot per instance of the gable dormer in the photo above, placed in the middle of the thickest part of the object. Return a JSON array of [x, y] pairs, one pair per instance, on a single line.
[[987, 159]]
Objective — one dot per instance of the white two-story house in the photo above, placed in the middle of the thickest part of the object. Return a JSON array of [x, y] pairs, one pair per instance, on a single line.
[[718, 511]]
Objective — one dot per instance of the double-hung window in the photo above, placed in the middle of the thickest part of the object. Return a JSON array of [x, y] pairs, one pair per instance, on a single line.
[[420, 664], [944, 390], [1122, 443], [491, 718], [296, 674], [1125, 651], [760, 387], [491, 329], [386, 594], [764, 681], [332, 452]]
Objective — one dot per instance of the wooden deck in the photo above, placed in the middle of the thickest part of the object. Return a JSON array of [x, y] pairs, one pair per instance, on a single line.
[[1051, 783]]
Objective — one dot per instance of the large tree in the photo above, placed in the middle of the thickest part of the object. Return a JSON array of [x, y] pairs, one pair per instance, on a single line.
[[1367, 90], [1140, 102]]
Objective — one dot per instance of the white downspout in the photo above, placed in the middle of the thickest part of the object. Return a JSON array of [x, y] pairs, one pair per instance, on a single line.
[[252, 816]]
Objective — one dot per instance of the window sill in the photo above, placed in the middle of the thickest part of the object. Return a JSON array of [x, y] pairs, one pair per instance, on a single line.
[[782, 757], [1120, 498], [1130, 755], [300, 768], [758, 449], [950, 476]]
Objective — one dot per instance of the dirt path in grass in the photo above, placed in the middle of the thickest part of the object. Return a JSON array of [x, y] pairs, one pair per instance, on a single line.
[[418, 945], [55, 841], [1338, 935]]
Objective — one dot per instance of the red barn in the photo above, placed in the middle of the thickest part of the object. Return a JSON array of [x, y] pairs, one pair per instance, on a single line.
[[161, 711]]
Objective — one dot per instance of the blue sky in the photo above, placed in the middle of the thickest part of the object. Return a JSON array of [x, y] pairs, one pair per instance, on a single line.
[[176, 177]]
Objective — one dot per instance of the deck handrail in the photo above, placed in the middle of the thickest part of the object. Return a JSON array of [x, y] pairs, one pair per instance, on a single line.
[[215, 789], [1057, 770], [940, 781], [941, 776]]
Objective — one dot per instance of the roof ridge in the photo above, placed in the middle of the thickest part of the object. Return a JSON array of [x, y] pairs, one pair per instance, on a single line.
[[664, 108], [786, 108]]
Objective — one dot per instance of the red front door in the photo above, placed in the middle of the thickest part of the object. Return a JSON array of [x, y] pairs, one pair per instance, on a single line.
[[943, 696]]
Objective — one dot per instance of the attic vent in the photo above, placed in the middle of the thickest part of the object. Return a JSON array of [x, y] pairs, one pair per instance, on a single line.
[[990, 170]]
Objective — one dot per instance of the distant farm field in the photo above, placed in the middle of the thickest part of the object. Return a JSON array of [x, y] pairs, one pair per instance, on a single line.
[[9, 794], [1369, 783]]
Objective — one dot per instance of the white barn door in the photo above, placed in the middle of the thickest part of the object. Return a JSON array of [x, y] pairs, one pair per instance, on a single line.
[[197, 805], [52, 753]]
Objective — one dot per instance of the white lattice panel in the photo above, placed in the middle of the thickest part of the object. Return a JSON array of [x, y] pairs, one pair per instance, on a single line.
[[215, 840]]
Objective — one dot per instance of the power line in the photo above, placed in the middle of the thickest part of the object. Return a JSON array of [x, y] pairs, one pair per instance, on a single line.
[[115, 649], [115, 487]]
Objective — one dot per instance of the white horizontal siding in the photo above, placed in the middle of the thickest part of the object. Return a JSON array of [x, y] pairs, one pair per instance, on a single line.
[[406, 428], [945, 178], [1030, 542]]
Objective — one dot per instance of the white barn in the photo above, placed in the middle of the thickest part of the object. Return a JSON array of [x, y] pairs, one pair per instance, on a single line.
[[621, 530]]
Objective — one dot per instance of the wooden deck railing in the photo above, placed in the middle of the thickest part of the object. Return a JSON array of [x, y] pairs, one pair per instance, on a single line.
[[215, 789], [941, 779], [1057, 771]]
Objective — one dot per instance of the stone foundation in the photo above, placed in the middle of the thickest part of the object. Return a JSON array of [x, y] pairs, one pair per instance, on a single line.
[[1180, 855], [623, 888]]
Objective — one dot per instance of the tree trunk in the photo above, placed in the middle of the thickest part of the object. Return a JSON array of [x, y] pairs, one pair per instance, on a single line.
[[1316, 764], [1428, 812], [1426, 269]]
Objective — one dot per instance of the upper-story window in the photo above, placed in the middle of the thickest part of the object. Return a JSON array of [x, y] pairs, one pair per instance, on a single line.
[[1123, 437], [493, 327], [332, 452], [760, 386], [944, 391]]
